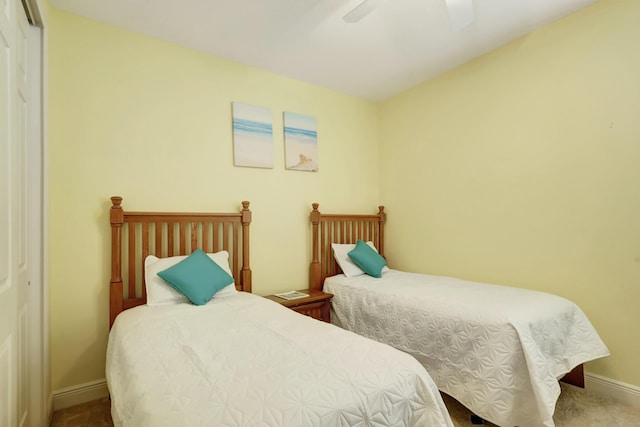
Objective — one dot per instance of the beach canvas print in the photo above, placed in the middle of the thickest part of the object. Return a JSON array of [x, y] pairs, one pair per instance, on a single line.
[[252, 136], [301, 142]]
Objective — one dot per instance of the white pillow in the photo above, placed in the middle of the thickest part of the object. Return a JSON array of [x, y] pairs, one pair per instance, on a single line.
[[341, 255], [160, 292]]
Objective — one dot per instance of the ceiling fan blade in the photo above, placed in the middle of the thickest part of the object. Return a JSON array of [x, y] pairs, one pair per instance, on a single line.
[[461, 13], [362, 10]]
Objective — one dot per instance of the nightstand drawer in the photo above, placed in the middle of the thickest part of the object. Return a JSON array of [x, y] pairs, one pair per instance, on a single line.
[[318, 310], [316, 305]]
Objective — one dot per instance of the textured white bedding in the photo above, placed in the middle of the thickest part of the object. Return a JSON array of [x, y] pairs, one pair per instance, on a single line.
[[242, 360], [498, 350]]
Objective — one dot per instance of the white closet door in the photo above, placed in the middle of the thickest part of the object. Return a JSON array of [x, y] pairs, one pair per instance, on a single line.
[[21, 223], [8, 235], [14, 278]]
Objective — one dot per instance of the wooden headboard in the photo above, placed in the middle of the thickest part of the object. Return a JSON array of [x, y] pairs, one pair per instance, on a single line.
[[134, 235], [340, 228]]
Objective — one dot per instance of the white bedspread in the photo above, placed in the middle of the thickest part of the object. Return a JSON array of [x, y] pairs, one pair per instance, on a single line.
[[242, 360], [498, 350]]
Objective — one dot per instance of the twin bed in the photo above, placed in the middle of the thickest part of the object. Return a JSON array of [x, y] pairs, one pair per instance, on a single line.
[[239, 359], [498, 350], [243, 360]]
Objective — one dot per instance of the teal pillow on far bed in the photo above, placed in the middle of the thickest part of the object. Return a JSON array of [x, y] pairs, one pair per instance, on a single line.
[[197, 277], [365, 257]]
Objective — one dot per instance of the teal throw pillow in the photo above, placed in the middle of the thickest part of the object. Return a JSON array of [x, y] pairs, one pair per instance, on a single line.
[[197, 277], [365, 257]]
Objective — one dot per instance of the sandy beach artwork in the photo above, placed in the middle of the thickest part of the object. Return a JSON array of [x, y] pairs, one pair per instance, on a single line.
[[301, 142], [252, 136]]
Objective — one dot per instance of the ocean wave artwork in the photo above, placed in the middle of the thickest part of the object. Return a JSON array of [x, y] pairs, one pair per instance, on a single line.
[[301, 142], [252, 136]]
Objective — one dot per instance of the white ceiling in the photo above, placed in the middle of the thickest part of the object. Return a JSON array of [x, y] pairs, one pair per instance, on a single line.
[[398, 45]]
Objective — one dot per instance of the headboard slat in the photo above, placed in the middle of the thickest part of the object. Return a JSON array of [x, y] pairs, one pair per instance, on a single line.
[[225, 236], [183, 237], [131, 266], [135, 235], [170, 244], [145, 252], [214, 236], [159, 227], [145, 239], [205, 236], [236, 245]]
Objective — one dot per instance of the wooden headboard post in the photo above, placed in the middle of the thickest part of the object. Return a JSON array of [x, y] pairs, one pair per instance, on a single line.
[[340, 228], [382, 218], [246, 271], [315, 280], [115, 285]]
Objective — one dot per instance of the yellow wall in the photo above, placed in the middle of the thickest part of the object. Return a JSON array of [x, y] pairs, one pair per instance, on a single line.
[[133, 116], [519, 168], [522, 167]]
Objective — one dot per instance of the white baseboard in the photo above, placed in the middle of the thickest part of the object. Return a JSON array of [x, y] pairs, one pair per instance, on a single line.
[[616, 390], [78, 394], [603, 386]]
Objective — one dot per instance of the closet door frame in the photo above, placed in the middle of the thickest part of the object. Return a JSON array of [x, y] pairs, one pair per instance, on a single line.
[[39, 393]]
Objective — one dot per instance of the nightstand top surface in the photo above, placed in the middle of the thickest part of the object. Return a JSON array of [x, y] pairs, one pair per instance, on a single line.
[[314, 296]]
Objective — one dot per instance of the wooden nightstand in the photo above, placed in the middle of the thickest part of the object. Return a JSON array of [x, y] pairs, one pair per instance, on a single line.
[[316, 305]]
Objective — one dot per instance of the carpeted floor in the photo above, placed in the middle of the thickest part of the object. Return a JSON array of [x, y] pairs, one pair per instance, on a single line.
[[96, 413], [575, 408]]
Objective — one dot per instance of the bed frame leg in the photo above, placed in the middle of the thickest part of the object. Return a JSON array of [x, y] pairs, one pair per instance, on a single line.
[[476, 420], [575, 377]]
